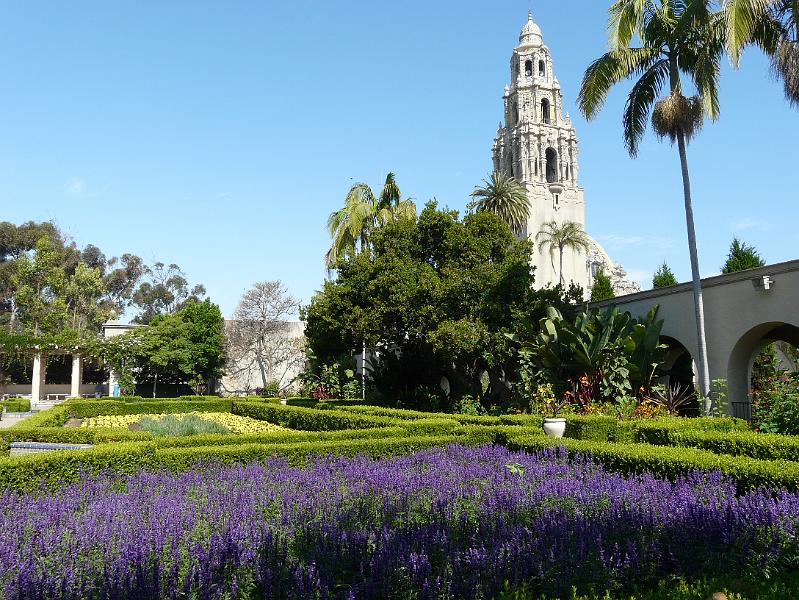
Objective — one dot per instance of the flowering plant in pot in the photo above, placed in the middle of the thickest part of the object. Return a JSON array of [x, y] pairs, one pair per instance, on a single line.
[[547, 403]]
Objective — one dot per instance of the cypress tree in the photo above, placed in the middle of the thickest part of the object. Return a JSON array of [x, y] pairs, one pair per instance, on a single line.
[[602, 289], [664, 277]]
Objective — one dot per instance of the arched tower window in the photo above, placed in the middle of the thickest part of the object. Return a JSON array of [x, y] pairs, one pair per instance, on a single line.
[[528, 68], [545, 110], [512, 174], [515, 113], [552, 165], [542, 68]]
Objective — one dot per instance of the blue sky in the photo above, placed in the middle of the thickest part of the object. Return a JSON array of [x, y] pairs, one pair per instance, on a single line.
[[219, 135]]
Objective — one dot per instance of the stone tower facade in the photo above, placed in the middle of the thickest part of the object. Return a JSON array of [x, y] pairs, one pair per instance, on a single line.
[[537, 145]]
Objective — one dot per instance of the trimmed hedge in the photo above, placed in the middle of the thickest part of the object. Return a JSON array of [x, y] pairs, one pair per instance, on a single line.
[[404, 414], [308, 419], [64, 466], [589, 427], [658, 431], [764, 446], [180, 459], [671, 462], [15, 405], [81, 409], [276, 437], [69, 435]]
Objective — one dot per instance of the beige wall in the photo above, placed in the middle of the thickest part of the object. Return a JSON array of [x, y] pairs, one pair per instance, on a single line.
[[739, 319]]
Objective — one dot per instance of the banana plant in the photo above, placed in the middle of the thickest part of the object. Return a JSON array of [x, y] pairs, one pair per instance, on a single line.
[[624, 352]]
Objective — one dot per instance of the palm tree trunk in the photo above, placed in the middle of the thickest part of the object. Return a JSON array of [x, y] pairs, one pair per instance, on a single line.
[[699, 311], [561, 266]]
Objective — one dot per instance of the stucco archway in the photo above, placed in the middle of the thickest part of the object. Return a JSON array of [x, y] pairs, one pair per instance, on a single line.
[[742, 359]]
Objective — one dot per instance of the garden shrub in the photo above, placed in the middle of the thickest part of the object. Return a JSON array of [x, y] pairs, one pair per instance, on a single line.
[[306, 419], [765, 446], [52, 417], [657, 431], [598, 428], [15, 405], [180, 459], [278, 437], [68, 435], [64, 466], [775, 409], [671, 462]]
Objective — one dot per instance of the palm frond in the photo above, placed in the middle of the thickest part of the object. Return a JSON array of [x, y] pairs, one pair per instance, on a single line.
[[744, 24], [504, 196], [608, 70], [625, 18], [390, 194], [785, 65], [639, 104]]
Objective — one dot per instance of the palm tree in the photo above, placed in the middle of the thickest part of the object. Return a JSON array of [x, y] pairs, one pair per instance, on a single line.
[[351, 226], [559, 237], [774, 26], [677, 38], [504, 196]]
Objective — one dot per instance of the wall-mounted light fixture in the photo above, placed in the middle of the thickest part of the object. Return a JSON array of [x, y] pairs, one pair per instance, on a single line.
[[763, 284]]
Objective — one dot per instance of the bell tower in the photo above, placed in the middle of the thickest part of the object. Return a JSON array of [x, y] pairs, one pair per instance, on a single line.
[[537, 145]]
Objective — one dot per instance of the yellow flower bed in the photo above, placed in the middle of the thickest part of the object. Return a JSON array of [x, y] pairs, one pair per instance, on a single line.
[[235, 423]]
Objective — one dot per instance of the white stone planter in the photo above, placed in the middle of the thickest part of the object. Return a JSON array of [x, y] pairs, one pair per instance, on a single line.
[[555, 427]]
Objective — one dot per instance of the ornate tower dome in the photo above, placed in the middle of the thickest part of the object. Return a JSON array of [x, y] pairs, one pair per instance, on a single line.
[[531, 33]]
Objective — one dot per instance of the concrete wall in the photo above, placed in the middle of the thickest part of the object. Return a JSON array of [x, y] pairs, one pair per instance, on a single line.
[[739, 318], [50, 388]]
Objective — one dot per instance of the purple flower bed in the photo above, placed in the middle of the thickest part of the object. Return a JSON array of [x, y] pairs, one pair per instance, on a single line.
[[445, 523]]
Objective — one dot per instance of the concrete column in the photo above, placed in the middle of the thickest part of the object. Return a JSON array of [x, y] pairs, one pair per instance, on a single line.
[[37, 378], [77, 375]]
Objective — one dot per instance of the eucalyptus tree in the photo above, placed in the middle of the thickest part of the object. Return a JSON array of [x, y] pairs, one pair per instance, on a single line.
[[774, 26], [560, 237], [351, 226], [504, 196], [658, 44]]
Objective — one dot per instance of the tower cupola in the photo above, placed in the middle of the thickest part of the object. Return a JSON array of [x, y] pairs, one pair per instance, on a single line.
[[531, 33]]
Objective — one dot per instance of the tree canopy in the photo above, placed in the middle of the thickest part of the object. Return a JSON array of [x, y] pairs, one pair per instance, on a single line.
[[602, 288], [663, 277], [741, 257], [434, 299]]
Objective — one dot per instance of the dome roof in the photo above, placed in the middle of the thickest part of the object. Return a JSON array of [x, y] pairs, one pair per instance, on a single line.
[[531, 33]]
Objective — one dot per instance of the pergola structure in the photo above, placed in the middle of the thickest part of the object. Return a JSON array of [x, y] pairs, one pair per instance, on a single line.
[[76, 388]]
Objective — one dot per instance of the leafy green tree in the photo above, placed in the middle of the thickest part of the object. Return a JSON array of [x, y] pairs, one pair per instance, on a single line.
[[39, 282], [773, 25], [560, 237], [17, 242], [83, 293], [164, 291], [741, 257], [504, 196], [602, 288], [663, 277], [206, 335], [678, 38], [434, 299], [185, 347], [351, 226]]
